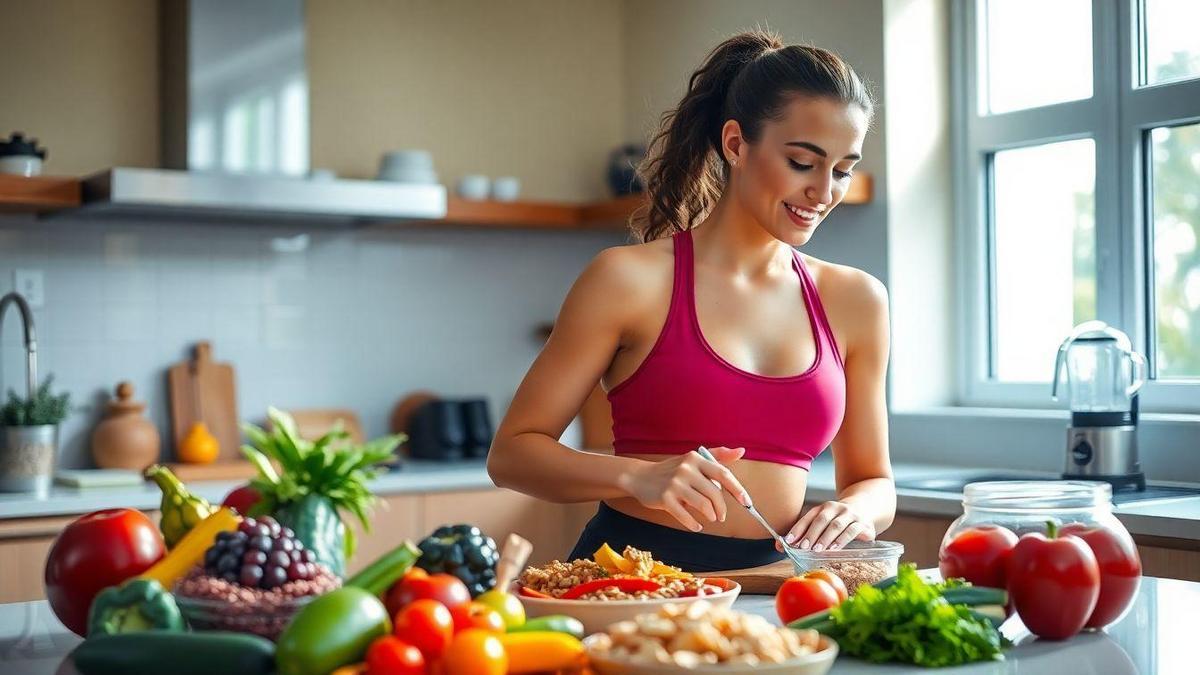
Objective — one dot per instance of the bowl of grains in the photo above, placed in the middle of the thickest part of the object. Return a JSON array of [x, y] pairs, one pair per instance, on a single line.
[[702, 638], [600, 594], [252, 580], [858, 563]]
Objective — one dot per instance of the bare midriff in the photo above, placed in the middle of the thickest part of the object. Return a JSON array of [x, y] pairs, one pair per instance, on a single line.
[[777, 490]]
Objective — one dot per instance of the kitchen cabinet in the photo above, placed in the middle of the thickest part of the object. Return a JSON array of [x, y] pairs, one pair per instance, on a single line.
[[552, 528], [19, 194]]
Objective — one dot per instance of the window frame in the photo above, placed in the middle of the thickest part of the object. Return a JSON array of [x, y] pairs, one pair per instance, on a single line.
[[1118, 117]]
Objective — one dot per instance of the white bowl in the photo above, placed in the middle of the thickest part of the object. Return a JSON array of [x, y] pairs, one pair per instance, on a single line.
[[817, 663], [473, 186], [596, 615], [406, 159], [506, 188], [404, 175]]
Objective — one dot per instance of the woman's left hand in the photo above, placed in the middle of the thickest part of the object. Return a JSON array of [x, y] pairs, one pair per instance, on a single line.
[[831, 525]]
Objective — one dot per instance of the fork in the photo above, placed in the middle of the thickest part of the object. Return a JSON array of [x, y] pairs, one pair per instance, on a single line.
[[788, 551]]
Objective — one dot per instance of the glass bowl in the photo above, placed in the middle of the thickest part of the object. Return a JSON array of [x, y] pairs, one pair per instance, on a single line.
[[266, 617], [859, 562]]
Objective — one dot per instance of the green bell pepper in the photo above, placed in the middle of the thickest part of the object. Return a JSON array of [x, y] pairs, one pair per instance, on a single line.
[[331, 631], [134, 606]]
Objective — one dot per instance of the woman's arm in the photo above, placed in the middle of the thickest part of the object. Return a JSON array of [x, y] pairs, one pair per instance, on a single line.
[[526, 455], [866, 502]]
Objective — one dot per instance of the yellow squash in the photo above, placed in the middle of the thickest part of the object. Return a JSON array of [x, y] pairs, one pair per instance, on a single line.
[[190, 550], [541, 650]]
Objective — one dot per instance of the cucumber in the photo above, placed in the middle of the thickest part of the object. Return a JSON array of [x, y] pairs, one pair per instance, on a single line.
[[379, 576], [555, 623], [153, 652], [993, 614], [979, 598]]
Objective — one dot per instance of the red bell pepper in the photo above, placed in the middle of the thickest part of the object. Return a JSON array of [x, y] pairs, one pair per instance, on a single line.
[[1120, 571], [1054, 583], [627, 584], [711, 586]]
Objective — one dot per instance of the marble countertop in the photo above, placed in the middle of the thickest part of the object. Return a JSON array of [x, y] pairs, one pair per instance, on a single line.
[[1176, 518], [1153, 637]]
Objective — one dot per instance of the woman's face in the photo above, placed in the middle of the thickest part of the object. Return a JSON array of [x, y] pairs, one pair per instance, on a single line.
[[800, 168]]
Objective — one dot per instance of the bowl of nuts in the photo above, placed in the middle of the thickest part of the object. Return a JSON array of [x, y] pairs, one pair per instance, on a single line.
[[858, 563], [703, 638]]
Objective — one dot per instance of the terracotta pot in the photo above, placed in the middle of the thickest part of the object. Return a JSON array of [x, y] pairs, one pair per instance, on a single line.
[[125, 439]]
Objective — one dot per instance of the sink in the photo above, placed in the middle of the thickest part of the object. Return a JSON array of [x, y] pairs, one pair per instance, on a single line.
[[954, 484]]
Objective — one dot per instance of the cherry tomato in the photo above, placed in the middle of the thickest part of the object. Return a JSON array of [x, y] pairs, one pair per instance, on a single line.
[[392, 656], [1120, 571], [445, 588], [475, 652], [831, 579], [979, 555], [801, 596], [427, 625], [477, 615]]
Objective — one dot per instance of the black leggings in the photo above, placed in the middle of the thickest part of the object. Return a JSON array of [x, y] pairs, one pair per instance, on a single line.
[[689, 551]]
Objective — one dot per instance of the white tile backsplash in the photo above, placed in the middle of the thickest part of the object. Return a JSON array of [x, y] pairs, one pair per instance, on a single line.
[[357, 319]]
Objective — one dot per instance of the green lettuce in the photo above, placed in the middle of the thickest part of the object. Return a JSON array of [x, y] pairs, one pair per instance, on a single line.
[[911, 622]]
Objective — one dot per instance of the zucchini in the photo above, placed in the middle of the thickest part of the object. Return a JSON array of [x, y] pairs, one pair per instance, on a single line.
[[153, 652], [555, 623], [379, 576], [993, 614]]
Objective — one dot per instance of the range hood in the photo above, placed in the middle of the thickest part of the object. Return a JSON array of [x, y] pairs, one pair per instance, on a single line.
[[234, 96]]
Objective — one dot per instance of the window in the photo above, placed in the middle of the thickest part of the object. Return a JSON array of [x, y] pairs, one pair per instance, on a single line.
[[1077, 151]]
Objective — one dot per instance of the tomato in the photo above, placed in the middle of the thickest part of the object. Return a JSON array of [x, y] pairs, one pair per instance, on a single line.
[[96, 551], [831, 579], [475, 652], [445, 588], [1053, 582], [241, 499], [979, 555], [476, 615], [392, 656], [506, 604], [1120, 571], [804, 595], [427, 625]]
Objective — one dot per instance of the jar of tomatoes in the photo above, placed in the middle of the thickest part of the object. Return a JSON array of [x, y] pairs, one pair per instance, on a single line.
[[996, 514]]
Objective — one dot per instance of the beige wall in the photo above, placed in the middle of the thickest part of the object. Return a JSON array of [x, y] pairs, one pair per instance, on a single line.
[[82, 77], [530, 88]]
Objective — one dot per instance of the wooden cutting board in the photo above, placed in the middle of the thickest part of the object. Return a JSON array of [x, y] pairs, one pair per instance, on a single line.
[[764, 580], [316, 422], [203, 390]]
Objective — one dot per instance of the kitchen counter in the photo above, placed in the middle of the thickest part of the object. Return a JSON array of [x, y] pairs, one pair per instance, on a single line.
[[414, 476], [1175, 518], [1152, 638]]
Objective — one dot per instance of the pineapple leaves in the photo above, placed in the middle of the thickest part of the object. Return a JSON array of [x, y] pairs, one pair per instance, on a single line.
[[329, 466]]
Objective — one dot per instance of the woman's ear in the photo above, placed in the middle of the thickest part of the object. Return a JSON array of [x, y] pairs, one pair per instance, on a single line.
[[733, 146]]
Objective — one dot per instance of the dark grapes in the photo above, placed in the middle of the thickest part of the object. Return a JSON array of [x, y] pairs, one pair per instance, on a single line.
[[260, 553]]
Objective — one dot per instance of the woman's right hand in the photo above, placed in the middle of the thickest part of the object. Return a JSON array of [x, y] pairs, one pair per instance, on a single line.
[[684, 485]]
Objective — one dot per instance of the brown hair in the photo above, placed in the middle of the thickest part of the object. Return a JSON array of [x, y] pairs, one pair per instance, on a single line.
[[747, 78]]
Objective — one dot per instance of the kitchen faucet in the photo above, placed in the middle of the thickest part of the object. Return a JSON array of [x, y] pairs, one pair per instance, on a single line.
[[30, 336]]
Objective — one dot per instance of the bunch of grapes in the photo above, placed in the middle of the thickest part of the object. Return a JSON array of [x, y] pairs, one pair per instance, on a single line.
[[259, 554]]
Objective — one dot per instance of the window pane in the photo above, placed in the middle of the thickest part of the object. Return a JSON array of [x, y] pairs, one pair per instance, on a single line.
[[1175, 153], [1172, 48], [1044, 242], [1039, 52]]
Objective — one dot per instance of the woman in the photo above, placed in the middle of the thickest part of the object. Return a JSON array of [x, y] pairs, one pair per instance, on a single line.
[[715, 331]]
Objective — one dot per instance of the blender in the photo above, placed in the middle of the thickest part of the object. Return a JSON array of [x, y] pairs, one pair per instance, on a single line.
[[1102, 375]]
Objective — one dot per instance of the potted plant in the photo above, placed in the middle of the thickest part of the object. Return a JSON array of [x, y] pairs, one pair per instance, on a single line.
[[317, 483], [29, 438]]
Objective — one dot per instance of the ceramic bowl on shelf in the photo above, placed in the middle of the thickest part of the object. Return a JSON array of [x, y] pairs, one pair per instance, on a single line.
[[473, 186], [506, 188]]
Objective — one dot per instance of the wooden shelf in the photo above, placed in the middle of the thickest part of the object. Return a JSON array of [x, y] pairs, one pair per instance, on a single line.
[[611, 214], [19, 194]]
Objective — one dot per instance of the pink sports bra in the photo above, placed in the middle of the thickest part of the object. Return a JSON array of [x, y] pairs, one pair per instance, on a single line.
[[685, 394]]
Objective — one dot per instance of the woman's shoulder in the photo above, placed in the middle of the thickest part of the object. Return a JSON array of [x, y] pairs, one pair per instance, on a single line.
[[846, 287], [632, 266]]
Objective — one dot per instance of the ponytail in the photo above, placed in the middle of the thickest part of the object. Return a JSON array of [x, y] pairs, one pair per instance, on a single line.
[[744, 78]]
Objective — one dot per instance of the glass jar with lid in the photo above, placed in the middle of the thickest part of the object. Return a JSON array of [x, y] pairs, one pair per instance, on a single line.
[[996, 514]]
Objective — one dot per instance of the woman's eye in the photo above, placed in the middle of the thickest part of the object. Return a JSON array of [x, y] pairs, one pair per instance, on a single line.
[[798, 166], [843, 175]]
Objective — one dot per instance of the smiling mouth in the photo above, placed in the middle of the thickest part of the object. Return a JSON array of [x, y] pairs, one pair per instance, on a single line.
[[801, 215]]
